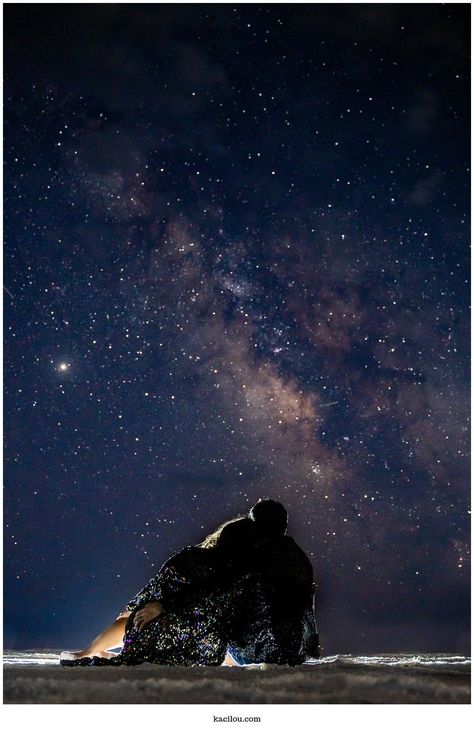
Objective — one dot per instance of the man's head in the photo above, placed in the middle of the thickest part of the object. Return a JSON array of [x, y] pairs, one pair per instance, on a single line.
[[270, 517]]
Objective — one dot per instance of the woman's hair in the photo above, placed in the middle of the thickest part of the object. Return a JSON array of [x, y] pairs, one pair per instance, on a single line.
[[232, 534]]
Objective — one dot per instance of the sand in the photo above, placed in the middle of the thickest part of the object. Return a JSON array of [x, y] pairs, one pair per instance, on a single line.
[[31, 678]]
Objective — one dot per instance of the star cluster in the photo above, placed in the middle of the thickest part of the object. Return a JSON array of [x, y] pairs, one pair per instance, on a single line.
[[236, 265]]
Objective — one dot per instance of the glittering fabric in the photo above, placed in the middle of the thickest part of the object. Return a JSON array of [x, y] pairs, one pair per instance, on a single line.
[[191, 570], [211, 602], [201, 591]]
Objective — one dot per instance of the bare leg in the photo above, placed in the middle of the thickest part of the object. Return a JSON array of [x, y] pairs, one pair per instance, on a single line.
[[111, 636]]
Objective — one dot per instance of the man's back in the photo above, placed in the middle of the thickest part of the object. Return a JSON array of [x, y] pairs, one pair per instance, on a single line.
[[286, 568], [277, 623]]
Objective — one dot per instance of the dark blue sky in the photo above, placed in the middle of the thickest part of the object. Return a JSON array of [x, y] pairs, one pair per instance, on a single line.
[[236, 265]]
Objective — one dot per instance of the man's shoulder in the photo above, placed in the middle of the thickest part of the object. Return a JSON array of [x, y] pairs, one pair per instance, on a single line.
[[283, 545], [289, 543], [296, 549]]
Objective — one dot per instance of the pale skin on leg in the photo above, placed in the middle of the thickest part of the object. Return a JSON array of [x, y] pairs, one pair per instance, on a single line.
[[112, 636]]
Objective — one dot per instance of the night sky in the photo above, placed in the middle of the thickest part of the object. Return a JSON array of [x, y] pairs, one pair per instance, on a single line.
[[236, 265]]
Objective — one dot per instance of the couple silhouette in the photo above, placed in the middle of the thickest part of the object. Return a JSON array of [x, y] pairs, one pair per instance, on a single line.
[[244, 595]]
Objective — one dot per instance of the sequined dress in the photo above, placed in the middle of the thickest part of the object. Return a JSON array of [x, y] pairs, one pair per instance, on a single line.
[[211, 603], [201, 593]]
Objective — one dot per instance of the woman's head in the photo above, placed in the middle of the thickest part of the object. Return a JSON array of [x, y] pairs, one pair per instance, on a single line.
[[233, 536], [237, 536], [266, 518]]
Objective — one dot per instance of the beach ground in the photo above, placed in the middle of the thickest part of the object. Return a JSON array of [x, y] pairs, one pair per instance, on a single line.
[[332, 683]]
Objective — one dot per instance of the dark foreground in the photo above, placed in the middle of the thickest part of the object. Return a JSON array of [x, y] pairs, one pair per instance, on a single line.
[[37, 678]]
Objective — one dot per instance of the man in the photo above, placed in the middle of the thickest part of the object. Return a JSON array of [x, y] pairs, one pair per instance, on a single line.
[[285, 631]]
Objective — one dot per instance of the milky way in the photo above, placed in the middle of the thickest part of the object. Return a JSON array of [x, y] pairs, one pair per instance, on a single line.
[[236, 265]]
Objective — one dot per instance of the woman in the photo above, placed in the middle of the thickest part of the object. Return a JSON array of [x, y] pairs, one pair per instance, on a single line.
[[185, 614]]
